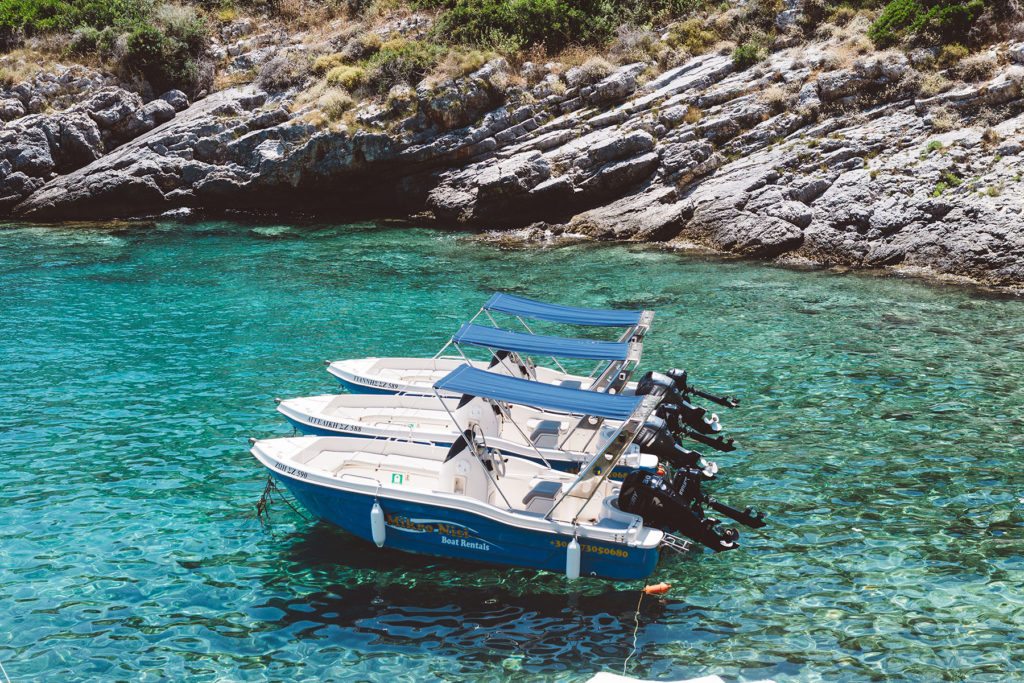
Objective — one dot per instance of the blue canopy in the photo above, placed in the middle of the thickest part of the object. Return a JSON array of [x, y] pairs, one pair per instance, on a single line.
[[466, 379], [539, 345], [538, 310]]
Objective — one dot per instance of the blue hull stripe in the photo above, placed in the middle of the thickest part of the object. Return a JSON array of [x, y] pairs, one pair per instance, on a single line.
[[354, 388], [435, 530]]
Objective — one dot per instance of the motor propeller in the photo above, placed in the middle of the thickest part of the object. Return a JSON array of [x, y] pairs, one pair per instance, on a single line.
[[676, 424]]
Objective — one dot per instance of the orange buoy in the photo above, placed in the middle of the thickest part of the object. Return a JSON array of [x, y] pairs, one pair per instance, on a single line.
[[657, 589]]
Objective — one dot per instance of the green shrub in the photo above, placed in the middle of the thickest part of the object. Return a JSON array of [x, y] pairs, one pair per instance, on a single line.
[[401, 61], [42, 16], [325, 63], [691, 35], [517, 24], [168, 51], [951, 54], [163, 43], [347, 77], [747, 54], [942, 21], [85, 40]]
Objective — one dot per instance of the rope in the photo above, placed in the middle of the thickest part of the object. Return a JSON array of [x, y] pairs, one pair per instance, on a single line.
[[263, 505], [636, 629], [4, 672]]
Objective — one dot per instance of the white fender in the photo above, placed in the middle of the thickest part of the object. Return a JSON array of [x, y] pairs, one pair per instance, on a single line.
[[377, 528], [572, 560]]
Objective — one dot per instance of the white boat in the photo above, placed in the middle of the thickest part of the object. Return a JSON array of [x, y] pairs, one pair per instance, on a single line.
[[563, 441], [471, 501], [512, 353]]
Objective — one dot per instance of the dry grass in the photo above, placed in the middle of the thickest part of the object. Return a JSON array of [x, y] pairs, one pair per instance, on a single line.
[[309, 96], [462, 62], [944, 119], [932, 84], [334, 102], [306, 13], [841, 56], [777, 97], [22, 65], [990, 137], [596, 68], [230, 79], [977, 67], [573, 56], [842, 15], [634, 45], [325, 63], [693, 114]]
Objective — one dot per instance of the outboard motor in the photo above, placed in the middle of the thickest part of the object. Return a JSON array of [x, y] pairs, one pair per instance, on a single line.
[[683, 386], [655, 438], [695, 417], [676, 505], [675, 418], [657, 384], [675, 508]]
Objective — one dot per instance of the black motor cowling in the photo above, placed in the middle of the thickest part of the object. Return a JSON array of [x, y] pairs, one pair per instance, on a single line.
[[674, 400], [674, 506], [658, 384], [656, 438]]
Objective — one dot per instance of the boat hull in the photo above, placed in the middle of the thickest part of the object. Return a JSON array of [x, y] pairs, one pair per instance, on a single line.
[[355, 388], [570, 466], [459, 534]]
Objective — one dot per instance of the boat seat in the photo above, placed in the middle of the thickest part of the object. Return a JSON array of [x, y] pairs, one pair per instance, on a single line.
[[545, 434], [571, 384], [541, 498]]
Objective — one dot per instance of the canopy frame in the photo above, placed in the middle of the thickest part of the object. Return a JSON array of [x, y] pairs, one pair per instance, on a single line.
[[596, 470], [615, 373], [636, 322]]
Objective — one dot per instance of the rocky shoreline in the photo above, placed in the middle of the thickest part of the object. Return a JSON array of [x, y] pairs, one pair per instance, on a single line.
[[801, 157]]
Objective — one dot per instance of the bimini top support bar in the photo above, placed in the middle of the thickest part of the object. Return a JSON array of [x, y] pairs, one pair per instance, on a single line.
[[540, 345], [590, 477], [539, 310]]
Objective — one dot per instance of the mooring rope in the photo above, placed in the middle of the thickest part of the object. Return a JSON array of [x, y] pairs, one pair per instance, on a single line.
[[636, 630], [4, 672], [263, 505]]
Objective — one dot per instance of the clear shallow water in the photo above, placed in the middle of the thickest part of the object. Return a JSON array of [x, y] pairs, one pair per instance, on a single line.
[[881, 429]]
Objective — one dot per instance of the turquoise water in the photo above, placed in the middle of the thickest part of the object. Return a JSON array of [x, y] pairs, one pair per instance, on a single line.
[[881, 429]]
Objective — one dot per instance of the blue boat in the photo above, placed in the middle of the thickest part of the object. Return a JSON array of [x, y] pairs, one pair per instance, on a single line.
[[469, 501], [512, 352]]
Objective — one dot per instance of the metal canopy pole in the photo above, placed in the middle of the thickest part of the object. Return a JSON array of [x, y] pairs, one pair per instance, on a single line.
[[472, 447], [449, 343], [605, 461]]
